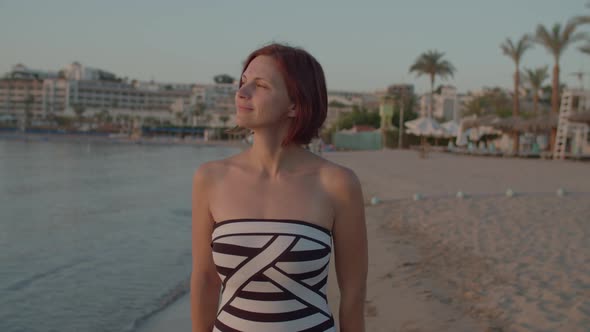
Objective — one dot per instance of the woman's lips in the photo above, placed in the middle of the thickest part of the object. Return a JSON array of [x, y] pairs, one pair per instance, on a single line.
[[244, 109]]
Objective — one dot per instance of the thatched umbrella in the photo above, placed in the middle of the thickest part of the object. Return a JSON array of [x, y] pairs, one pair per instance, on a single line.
[[540, 124], [511, 125], [583, 116], [485, 120]]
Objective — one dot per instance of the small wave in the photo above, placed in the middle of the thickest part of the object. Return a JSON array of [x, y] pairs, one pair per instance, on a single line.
[[163, 302], [28, 281], [181, 212]]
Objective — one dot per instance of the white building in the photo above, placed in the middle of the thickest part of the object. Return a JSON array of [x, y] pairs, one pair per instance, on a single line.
[[78, 72], [19, 95], [446, 105], [355, 98], [217, 97], [77, 87]]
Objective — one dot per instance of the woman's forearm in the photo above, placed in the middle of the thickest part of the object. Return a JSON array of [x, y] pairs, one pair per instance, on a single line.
[[204, 300], [351, 314]]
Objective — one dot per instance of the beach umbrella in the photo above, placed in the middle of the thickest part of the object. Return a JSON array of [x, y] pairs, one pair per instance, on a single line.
[[475, 128], [540, 124], [510, 124], [476, 133], [485, 120], [451, 128], [425, 127]]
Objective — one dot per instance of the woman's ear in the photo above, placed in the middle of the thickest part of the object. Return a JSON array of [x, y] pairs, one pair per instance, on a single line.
[[292, 111]]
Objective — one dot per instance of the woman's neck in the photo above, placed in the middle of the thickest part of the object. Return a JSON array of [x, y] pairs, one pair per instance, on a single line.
[[270, 159]]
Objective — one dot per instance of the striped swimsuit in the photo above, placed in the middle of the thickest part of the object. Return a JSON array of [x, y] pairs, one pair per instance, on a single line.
[[274, 274]]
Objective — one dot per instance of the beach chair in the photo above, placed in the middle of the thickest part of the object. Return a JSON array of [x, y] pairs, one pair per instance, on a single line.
[[534, 152], [482, 149], [470, 148], [492, 151], [450, 147]]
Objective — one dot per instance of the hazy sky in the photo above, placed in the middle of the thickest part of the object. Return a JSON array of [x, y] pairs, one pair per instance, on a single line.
[[361, 46]]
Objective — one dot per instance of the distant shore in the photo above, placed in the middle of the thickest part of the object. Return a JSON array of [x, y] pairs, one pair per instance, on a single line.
[[84, 138]]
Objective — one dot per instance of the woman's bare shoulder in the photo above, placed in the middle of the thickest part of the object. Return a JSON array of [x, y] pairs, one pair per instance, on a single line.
[[338, 179], [212, 170]]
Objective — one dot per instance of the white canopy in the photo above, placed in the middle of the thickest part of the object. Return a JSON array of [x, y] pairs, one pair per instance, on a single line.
[[451, 127], [425, 126]]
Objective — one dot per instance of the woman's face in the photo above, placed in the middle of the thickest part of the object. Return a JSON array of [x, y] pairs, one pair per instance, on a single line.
[[263, 99]]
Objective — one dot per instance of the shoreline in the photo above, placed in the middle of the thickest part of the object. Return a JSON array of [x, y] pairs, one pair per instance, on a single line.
[[81, 138]]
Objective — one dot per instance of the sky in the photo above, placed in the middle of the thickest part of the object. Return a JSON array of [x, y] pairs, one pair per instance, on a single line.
[[362, 46]]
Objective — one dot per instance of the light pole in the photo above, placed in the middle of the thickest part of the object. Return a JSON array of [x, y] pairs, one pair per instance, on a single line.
[[401, 124]]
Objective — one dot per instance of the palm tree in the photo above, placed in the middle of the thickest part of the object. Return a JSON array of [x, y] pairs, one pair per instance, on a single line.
[[535, 78], [431, 63], [515, 52], [555, 42]]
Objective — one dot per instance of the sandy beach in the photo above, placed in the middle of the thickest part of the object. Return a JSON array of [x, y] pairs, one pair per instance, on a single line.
[[485, 262]]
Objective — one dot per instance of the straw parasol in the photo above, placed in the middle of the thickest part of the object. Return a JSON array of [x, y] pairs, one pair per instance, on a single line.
[[485, 120], [540, 124], [510, 124]]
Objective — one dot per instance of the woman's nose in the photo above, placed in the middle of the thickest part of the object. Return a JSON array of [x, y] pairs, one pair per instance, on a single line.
[[244, 91]]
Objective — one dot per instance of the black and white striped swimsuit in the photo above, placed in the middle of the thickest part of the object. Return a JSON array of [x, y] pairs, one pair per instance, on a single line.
[[274, 275]]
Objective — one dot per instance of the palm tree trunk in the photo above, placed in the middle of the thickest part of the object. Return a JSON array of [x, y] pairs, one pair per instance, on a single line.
[[554, 101], [555, 90], [536, 102], [516, 111], [431, 95]]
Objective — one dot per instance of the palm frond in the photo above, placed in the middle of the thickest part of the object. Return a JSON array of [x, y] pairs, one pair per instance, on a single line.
[[516, 51], [431, 63], [535, 77], [557, 39]]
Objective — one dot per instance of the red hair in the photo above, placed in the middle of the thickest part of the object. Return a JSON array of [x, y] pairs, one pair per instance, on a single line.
[[306, 86]]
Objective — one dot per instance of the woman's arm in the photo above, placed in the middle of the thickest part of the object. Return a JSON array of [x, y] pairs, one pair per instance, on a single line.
[[205, 283], [350, 248]]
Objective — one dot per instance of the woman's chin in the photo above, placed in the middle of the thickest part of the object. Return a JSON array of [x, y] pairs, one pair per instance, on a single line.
[[243, 124]]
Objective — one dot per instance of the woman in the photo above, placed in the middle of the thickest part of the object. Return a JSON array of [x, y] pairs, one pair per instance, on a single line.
[[265, 220]]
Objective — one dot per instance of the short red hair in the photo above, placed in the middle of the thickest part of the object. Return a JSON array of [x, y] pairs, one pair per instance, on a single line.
[[306, 86]]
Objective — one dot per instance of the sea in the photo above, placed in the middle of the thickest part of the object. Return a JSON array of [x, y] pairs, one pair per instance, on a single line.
[[94, 236]]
